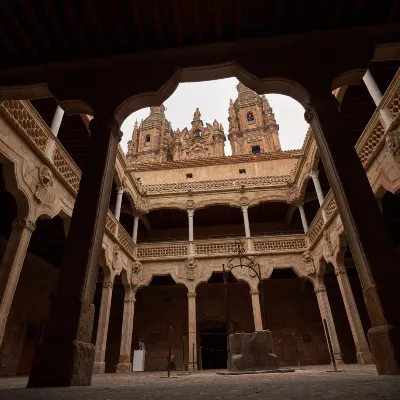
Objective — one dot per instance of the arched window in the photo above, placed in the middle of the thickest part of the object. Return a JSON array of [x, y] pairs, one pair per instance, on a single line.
[[250, 118], [197, 134], [147, 140]]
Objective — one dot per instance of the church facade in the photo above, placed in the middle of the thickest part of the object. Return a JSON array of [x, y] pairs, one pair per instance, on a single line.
[[178, 209]]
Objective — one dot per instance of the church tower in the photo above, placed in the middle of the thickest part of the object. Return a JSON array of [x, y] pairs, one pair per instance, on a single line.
[[152, 140], [252, 125]]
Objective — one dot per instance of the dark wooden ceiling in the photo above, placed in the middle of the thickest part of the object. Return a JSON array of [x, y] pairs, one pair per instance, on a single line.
[[44, 31]]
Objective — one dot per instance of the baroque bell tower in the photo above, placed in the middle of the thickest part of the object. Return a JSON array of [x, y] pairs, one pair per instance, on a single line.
[[252, 125]]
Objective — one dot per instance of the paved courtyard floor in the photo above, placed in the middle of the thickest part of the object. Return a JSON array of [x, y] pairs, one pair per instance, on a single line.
[[355, 382]]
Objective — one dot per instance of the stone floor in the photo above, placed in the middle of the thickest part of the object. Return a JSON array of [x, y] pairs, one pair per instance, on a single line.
[[355, 382]]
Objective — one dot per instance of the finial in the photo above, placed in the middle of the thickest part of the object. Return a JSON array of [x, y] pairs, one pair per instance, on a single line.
[[197, 115]]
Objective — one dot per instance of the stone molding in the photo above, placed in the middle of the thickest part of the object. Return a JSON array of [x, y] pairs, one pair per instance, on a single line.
[[319, 288], [339, 270], [108, 284], [254, 292], [191, 294]]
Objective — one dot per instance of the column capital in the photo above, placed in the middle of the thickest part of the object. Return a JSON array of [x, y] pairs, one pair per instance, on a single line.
[[120, 189], [108, 284], [308, 113], [109, 124], [129, 300], [341, 269], [245, 209], [253, 292], [319, 288], [191, 294], [314, 174], [24, 223], [190, 213]]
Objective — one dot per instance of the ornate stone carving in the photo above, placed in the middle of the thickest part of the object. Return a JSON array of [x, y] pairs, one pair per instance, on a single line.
[[108, 284], [136, 269], [308, 113], [319, 288], [244, 201], [190, 204], [43, 193], [254, 292], [143, 205], [308, 263], [340, 269], [115, 258], [191, 294], [191, 266], [24, 223], [293, 194], [393, 141], [328, 242]]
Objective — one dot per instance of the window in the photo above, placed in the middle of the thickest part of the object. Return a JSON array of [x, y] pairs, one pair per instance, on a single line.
[[189, 176], [242, 171], [147, 140], [255, 149], [197, 134], [250, 118]]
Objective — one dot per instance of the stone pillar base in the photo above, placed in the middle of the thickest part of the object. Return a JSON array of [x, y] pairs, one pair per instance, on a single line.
[[252, 352], [75, 369], [99, 367], [385, 346], [124, 368], [192, 367], [364, 358]]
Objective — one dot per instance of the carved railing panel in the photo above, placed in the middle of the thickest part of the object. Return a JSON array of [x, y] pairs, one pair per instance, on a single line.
[[111, 223], [20, 114], [162, 251], [329, 205], [66, 166], [273, 244], [370, 140], [215, 248], [125, 240], [316, 227]]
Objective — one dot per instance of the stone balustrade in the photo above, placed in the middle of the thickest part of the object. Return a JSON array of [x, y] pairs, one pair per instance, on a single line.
[[222, 247], [368, 146]]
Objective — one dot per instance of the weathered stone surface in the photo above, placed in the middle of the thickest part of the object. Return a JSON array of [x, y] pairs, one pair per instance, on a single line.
[[252, 352]]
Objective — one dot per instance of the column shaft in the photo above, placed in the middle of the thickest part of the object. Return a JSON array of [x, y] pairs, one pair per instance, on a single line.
[[255, 302], [66, 356], [102, 328], [55, 127], [135, 228], [365, 229], [120, 193], [125, 362], [11, 266], [191, 235], [376, 95], [192, 337], [364, 355], [326, 313], [303, 218], [246, 221]]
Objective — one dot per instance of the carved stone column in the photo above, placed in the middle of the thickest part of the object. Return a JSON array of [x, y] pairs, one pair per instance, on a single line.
[[303, 217], [318, 189], [55, 127], [255, 302], [102, 328], [191, 235], [135, 227], [66, 356], [376, 95], [246, 221], [326, 313], [125, 363], [192, 331], [11, 266], [366, 232], [120, 193], [364, 355]]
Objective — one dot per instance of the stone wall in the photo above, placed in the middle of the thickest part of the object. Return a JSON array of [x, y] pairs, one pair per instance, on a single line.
[[30, 308]]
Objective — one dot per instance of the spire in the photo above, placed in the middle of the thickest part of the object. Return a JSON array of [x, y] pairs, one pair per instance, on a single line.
[[233, 124], [196, 115], [157, 109]]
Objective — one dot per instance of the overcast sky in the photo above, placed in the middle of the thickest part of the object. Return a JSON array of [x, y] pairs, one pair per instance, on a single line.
[[212, 98]]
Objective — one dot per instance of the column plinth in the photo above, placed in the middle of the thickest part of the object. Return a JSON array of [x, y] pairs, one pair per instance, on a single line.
[[66, 356]]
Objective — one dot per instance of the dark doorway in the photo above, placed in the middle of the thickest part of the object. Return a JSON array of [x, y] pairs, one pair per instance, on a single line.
[[213, 347]]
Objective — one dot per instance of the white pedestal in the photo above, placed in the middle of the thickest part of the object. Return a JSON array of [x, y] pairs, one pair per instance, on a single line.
[[138, 360]]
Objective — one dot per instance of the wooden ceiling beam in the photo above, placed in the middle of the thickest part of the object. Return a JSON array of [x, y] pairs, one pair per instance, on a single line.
[[158, 22], [197, 20], [137, 20], [76, 26], [177, 24], [218, 19], [238, 19]]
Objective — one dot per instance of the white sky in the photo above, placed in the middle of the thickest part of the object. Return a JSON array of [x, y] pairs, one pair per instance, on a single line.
[[212, 98]]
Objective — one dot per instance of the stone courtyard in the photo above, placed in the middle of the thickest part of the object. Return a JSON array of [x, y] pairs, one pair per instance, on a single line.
[[355, 382]]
